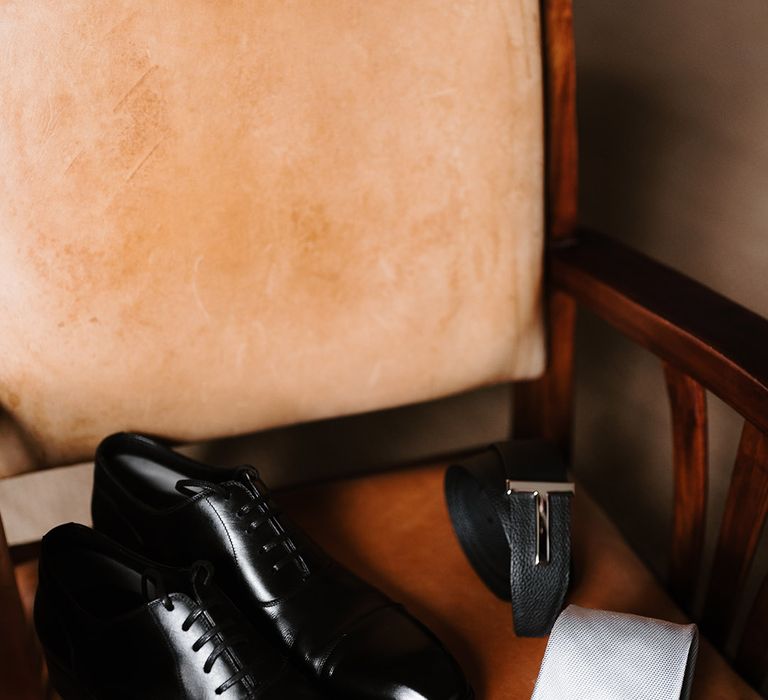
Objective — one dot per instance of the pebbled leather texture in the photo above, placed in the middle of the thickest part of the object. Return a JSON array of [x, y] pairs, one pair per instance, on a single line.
[[105, 639], [497, 531], [538, 592], [356, 642]]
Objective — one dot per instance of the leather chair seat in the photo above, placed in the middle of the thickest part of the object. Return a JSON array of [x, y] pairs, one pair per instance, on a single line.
[[393, 529]]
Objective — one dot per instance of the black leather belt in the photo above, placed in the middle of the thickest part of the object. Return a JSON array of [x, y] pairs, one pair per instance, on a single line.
[[511, 509]]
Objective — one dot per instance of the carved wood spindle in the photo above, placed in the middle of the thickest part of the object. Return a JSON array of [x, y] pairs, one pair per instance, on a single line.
[[746, 510], [560, 97], [688, 405], [752, 656], [543, 408]]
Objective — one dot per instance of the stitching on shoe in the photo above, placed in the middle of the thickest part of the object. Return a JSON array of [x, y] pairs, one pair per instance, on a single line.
[[167, 640], [234, 658], [226, 529], [346, 631], [137, 502], [104, 493], [266, 685]]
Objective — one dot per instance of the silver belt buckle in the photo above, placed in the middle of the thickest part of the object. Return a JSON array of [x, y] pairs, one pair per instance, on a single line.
[[541, 490]]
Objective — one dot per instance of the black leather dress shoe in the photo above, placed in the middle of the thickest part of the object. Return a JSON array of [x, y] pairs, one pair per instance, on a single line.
[[353, 639], [116, 626]]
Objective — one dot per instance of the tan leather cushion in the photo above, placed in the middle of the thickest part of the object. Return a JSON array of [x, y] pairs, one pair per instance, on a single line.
[[394, 530], [220, 217]]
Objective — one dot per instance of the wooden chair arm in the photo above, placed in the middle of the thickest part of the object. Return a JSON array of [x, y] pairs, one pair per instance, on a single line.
[[705, 341], [717, 342]]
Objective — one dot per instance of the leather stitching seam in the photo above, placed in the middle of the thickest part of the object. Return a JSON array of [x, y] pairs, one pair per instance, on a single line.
[[226, 529]]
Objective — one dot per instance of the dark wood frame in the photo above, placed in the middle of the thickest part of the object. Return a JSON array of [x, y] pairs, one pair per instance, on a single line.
[[704, 341]]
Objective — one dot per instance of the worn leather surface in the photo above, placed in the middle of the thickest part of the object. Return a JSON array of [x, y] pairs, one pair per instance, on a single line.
[[497, 530], [356, 642], [221, 217], [394, 529], [111, 650]]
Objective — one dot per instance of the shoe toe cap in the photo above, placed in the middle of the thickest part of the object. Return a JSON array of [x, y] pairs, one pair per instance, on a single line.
[[391, 656]]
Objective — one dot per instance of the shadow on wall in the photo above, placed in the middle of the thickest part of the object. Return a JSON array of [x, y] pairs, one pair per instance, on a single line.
[[624, 153], [673, 111], [623, 439], [370, 441], [33, 503]]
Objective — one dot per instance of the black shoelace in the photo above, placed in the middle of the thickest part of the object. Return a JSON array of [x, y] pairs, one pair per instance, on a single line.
[[262, 507], [219, 632]]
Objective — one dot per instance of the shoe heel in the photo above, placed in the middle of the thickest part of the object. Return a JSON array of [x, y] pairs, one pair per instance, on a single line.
[[108, 520], [63, 683]]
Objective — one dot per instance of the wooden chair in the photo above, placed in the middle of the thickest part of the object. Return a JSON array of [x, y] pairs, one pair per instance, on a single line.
[[390, 527]]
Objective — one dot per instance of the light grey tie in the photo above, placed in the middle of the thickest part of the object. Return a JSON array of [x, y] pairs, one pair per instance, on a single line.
[[599, 655]]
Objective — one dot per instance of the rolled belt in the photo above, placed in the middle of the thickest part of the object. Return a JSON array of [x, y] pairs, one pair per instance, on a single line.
[[511, 510]]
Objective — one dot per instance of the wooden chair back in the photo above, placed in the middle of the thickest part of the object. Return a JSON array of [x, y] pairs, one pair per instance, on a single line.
[[688, 327]]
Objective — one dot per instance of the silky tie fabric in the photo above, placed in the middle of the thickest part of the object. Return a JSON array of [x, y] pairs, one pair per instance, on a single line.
[[599, 655]]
